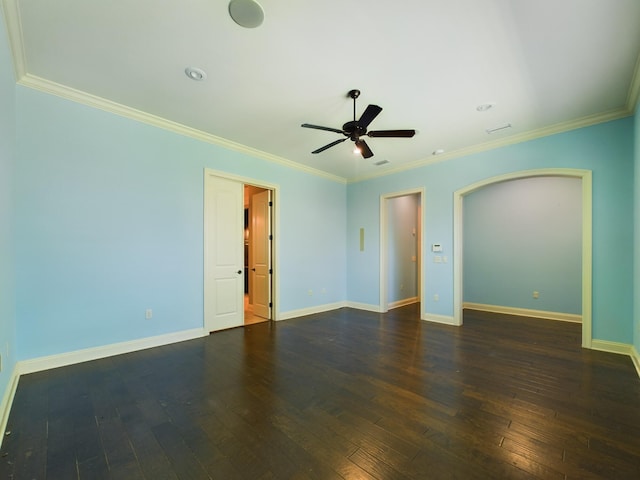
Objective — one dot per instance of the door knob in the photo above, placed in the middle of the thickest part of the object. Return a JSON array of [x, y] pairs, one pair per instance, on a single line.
[[239, 272]]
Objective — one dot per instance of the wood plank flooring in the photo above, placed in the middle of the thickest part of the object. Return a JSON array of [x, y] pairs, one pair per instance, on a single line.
[[340, 395]]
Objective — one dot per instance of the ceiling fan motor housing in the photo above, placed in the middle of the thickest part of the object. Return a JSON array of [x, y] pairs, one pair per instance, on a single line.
[[353, 130]]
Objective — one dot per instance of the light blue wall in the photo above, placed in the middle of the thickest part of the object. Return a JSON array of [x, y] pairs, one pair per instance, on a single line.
[[402, 246], [523, 236], [7, 162], [110, 222], [606, 149], [636, 276]]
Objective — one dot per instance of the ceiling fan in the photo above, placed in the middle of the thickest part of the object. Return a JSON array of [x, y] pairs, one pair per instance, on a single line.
[[358, 128]]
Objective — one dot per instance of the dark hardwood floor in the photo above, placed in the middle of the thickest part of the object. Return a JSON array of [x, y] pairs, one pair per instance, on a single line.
[[341, 395]]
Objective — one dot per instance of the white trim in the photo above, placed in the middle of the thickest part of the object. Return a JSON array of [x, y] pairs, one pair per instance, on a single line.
[[14, 29], [635, 358], [77, 96], [506, 141], [634, 89], [384, 306], [524, 312], [14, 33], [404, 302], [612, 347], [7, 401], [327, 307], [620, 349], [587, 242], [275, 230], [435, 318], [364, 306], [95, 353]]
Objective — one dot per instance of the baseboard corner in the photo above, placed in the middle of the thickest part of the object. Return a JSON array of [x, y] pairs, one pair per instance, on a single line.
[[612, 347], [7, 401], [435, 318], [635, 358], [94, 353]]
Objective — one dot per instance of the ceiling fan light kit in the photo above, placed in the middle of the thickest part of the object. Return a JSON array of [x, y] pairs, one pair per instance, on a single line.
[[355, 129]]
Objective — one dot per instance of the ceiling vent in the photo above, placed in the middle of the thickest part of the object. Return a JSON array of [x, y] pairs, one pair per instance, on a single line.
[[498, 128]]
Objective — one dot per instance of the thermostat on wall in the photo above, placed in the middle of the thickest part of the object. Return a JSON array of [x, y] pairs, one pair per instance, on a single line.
[[436, 247]]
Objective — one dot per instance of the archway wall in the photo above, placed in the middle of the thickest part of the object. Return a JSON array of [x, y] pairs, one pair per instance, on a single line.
[[522, 244], [605, 149]]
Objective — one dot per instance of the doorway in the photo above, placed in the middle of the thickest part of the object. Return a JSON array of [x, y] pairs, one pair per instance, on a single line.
[[240, 260], [401, 271], [257, 254], [585, 177]]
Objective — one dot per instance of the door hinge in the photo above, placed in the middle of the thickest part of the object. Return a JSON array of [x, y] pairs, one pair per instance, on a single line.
[[270, 304], [270, 237], [271, 204], [270, 271]]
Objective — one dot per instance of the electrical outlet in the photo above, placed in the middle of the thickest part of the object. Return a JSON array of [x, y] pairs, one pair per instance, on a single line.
[[310, 292], [536, 295], [148, 314], [436, 297]]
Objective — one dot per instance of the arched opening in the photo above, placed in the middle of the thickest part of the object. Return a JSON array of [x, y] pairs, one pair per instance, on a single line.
[[586, 287]]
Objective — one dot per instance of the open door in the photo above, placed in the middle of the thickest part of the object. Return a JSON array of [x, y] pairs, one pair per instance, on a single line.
[[223, 253], [260, 256]]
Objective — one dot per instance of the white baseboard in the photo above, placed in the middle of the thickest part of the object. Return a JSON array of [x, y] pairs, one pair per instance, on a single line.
[[612, 347], [88, 354], [310, 310], [524, 312], [24, 367], [368, 307], [619, 348], [445, 319], [635, 358], [402, 303], [7, 401]]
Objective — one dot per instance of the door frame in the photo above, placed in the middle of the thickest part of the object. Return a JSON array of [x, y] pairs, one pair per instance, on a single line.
[[384, 303], [275, 228], [587, 243]]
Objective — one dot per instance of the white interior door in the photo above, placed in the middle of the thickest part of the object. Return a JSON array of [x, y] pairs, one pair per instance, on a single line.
[[224, 253], [260, 268]]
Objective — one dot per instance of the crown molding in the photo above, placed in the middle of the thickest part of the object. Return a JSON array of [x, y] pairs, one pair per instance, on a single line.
[[78, 96], [506, 141], [53, 88], [11, 14], [634, 89]]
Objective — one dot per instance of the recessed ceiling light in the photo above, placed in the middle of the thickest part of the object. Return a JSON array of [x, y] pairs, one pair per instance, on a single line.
[[196, 74], [485, 106], [246, 13], [439, 151]]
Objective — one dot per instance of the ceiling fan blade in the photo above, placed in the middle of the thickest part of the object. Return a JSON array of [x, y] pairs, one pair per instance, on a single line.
[[368, 115], [392, 133], [365, 151], [322, 149], [318, 127]]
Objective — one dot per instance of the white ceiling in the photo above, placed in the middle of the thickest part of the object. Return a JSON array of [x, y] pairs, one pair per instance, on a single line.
[[547, 65]]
